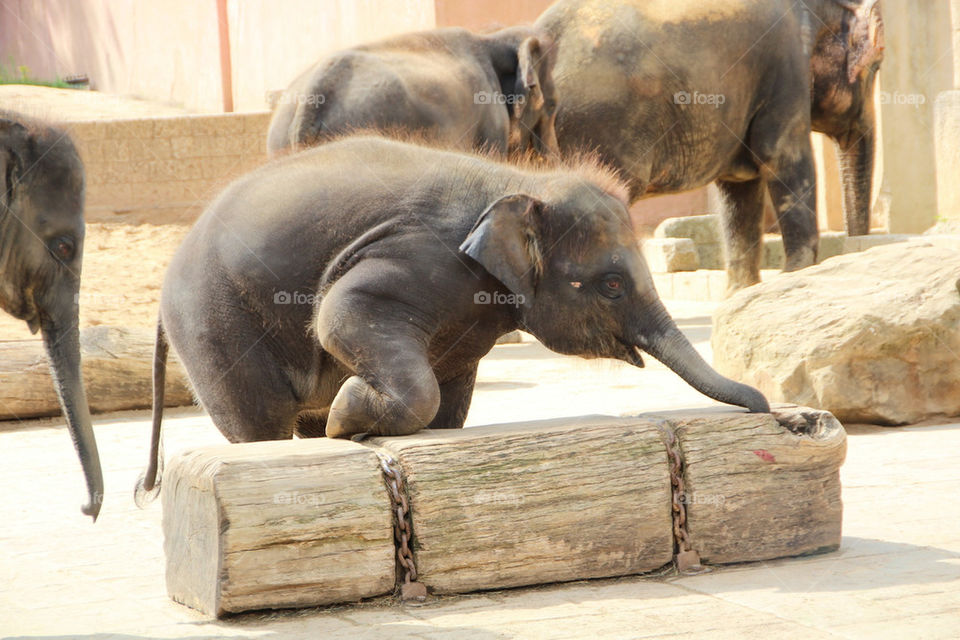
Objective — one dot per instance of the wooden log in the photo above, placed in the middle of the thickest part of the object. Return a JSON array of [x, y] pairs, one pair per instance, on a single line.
[[495, 507], [521, 504], [755, 491], [275, 525], [117, 374]]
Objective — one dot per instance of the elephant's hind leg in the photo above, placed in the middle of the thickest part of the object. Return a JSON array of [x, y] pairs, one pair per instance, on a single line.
[[455, 397], [245, 393]]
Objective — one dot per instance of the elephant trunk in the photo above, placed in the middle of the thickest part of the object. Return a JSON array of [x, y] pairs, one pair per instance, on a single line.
[[856, 173], [661, 338], [61, 337]]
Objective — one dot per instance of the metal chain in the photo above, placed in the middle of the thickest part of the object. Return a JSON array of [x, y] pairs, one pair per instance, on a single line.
[[686, 558], [402, 529]]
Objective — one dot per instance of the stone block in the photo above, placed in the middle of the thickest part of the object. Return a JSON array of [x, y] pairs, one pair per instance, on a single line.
[[701, 229], [665, 255]]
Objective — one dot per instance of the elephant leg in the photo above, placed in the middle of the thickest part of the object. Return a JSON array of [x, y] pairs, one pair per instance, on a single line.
[[741, 218], [312, 423], [793, 190], [394, 390], [780, 142], [245, 394], [455, 397], [397, 395]]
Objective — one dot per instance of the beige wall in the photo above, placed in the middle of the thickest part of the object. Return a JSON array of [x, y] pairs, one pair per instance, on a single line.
[[488, 14], [917, 66], [167, 51], [273, 41]]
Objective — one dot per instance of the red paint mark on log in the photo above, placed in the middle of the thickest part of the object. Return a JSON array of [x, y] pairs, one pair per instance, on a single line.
[[765, 455]]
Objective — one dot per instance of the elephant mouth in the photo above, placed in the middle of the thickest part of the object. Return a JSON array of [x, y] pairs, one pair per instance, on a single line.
[[632, 354]]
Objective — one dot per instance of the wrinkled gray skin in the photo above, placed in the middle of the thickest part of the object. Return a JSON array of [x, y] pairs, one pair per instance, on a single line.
[[358, 284], [41, 250], [454, 88], [640, 81]]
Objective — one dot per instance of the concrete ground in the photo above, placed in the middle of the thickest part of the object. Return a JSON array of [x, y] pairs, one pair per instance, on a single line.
[[897, 574]]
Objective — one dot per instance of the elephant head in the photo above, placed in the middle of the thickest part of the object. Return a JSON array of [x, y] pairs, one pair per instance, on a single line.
[[583, 286], [41, 249], [846, 55]]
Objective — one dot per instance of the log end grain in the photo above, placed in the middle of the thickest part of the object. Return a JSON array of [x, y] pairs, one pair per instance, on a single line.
[[277, 525]]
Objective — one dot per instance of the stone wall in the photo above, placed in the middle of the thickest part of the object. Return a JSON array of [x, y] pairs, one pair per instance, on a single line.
[[165, 170]]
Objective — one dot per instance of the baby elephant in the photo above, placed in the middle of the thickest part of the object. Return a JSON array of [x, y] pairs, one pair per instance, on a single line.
[[353, 288], [448, 86], [41, 252]]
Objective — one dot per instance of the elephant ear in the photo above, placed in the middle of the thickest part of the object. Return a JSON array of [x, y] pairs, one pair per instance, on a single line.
[[865, 42], [529, 62], [12, 135], [504, 242]]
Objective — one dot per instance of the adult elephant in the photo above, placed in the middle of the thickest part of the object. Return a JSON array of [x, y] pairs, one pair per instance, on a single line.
[[449, 86], [41, 249], [680, 93]]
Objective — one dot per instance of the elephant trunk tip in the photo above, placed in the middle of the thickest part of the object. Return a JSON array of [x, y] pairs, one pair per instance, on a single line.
[[755, 401], [92, 508], [144, 494]]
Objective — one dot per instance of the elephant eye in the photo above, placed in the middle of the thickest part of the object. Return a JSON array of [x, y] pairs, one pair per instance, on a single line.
[[63, 248], [612, 286]]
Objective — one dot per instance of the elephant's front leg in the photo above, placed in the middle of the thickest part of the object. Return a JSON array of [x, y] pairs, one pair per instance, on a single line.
[[391, 403], [455, 397], [394, 390], [741, 218], [793, 190]]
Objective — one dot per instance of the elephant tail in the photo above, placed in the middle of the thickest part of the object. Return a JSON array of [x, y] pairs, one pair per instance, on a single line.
[[148, 485]]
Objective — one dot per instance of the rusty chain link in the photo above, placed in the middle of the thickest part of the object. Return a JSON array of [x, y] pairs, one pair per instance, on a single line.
[[686, 558], [402, 529]]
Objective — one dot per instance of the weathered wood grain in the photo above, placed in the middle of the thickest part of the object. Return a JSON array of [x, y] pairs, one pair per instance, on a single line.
[[755, 491], [276, 525], [308, 522], [520, 504], [117, 374]]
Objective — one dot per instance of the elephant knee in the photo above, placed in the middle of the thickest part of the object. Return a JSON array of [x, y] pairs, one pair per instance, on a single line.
[[404, 408]]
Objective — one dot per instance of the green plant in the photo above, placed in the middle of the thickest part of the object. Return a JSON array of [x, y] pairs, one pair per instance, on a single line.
[[20, 74]]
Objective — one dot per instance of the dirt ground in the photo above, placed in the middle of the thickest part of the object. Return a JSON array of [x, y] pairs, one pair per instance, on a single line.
[[123, 268]]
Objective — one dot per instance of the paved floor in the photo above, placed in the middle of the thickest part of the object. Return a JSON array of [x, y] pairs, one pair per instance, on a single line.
[[897, 574]]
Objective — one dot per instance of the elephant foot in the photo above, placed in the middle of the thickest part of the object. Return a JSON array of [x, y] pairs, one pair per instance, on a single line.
[[800, 259], [361, 409]]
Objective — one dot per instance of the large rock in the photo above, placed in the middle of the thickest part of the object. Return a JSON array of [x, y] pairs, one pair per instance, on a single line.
[[871, 337]]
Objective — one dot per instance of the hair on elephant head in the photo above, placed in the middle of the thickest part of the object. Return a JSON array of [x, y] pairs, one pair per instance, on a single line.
[[41, 250]]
